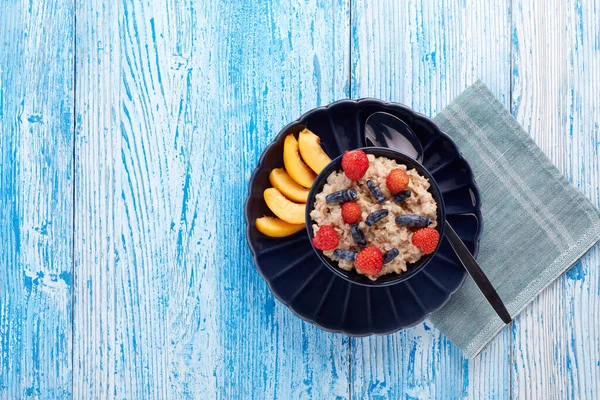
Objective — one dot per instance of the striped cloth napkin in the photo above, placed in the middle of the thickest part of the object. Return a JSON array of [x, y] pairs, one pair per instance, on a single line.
[[536, 224]]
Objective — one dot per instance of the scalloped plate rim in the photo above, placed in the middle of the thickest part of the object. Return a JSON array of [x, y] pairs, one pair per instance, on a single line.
[[260, 165]]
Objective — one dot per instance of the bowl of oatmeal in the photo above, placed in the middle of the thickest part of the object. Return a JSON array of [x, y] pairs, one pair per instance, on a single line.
[[381, 219]]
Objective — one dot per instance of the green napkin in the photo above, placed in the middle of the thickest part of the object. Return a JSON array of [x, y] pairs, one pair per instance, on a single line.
[[536, 224]]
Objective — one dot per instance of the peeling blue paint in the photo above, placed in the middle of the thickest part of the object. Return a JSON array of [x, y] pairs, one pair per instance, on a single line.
[[577, 272], [66, 277], [317, 76], [34, 118], [580, 30], [465, 376]]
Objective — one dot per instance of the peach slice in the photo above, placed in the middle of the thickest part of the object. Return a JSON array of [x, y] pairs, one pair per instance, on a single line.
[[287, 186], [285, 209], [274, 227], [294, 164], [311, 151]]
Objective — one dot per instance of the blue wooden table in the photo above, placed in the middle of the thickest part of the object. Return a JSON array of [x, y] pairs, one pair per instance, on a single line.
[[129, 131]]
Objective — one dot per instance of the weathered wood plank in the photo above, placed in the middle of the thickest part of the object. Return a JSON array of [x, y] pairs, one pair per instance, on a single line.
[[36, 137], [556, 58], [175, 102], [285, 57], [423, 54]]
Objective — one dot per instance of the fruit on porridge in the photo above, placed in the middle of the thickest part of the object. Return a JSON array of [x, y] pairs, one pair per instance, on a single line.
[[413, 220], [326, 238], [341, 196], [357, 235], [397, 181], [355, 164], [389, 255], [376, 216], [375, 191], [403, 195], [369, 261], [380, 212], [351, 212], [426, 239], [345, 254]]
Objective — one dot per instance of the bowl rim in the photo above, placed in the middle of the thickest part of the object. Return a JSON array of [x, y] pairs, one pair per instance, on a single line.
[[398, 278]]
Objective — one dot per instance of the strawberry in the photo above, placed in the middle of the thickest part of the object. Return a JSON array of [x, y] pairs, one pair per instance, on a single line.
[[355, 163], [351, 212], [397, 180], [369, 260], [326, 238], [426, 239]]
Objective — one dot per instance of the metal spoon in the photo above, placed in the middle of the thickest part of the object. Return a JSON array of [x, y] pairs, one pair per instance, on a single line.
[[386, 130], [473, 268]]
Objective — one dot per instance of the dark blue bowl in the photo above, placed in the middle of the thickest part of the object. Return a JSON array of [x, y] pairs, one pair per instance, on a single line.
[[389, 279], [300, 280]]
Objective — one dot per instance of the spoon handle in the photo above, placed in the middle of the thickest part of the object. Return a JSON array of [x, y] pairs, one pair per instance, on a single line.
[[482, 282]]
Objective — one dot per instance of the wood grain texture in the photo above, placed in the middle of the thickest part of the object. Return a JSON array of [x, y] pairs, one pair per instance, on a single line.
[[175, 102], [424, 54], [36, 144], [556, 97], [283, 58]]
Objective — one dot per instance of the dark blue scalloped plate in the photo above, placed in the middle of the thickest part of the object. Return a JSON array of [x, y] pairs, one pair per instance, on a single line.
[[293, 270]]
